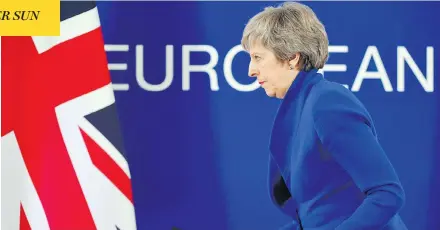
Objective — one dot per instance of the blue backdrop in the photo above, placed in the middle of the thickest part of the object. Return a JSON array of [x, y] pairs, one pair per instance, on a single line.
[[198, 148]]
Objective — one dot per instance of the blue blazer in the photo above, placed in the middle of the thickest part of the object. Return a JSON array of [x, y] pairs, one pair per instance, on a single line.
[[326, 154]]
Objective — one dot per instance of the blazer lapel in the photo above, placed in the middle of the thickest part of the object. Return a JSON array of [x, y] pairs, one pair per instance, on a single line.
[[287, 120]]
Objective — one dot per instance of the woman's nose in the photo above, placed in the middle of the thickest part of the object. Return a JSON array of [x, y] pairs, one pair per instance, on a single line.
[[252, 72]]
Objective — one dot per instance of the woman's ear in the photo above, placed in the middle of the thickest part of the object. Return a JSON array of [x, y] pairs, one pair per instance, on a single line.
[[294, 62]]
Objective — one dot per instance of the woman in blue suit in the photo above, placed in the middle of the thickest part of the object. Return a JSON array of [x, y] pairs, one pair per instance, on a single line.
[[327, 167]]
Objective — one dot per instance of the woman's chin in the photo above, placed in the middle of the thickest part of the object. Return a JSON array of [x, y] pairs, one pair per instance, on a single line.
[[270, 93]]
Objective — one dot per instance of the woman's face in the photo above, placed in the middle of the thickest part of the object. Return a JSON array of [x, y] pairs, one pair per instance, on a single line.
[[274, 76]]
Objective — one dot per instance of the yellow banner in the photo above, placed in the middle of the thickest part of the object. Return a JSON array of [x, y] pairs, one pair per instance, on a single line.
[[29, 17]]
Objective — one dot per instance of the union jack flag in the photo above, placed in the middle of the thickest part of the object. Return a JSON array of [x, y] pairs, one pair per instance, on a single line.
[[63, 165]]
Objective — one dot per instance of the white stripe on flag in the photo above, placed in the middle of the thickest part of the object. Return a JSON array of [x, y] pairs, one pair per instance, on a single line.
[[105, 144], [69, 29]]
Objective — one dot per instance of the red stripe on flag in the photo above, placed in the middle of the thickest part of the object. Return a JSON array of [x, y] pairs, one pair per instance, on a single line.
[[24, 223], [108, 166]]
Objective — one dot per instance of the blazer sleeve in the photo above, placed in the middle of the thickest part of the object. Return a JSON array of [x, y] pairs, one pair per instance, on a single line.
[[278, 195], [345, 129]]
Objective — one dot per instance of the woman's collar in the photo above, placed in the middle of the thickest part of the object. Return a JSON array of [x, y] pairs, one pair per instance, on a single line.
[[302, 79]]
